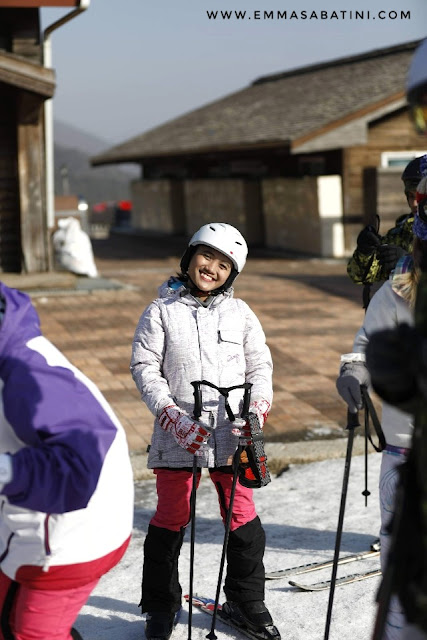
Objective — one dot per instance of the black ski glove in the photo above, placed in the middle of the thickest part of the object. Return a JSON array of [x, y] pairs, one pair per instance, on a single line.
[[368, 240], [393, 361], [389, 254]]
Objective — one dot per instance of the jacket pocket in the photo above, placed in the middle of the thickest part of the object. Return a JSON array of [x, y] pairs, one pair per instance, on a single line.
[[231, 357], [230, 335]]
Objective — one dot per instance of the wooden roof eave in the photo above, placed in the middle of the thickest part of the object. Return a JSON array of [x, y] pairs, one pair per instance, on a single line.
[[26, 75], [25, 4], [329, 135], [188, 154], [350, 130]]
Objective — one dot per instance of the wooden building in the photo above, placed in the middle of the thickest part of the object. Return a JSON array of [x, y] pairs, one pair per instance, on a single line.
[[298, 160], [25, 85]]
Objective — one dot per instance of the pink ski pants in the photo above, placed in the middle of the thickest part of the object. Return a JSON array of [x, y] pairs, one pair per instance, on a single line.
[[174, 491], [39, 614]]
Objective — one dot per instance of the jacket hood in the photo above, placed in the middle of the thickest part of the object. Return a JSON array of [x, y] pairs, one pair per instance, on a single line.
[[20, 322], [175, 288], [171, 288]]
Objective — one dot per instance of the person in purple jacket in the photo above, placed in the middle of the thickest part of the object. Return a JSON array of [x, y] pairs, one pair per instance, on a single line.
[[66, 486]]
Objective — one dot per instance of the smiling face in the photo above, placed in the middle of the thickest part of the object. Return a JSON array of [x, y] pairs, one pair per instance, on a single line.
[[208, 269]]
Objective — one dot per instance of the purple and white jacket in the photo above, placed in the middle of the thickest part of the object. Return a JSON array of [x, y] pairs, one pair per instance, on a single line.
[[66, 514]]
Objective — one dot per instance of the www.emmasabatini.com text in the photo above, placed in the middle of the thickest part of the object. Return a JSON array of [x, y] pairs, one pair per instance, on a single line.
[[262, 14]]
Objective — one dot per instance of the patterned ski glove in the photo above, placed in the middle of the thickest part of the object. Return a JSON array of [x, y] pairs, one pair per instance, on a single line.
[[261, 408], [352, 376], [242, 428], [189, 434]]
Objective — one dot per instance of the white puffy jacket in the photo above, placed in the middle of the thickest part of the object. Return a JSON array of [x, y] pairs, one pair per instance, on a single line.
[[386, 310], [178, 341]]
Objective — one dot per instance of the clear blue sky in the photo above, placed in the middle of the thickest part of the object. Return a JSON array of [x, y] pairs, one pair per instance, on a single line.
[[125, 66]]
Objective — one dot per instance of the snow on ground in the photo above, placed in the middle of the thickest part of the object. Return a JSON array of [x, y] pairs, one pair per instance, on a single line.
[[299, 512]]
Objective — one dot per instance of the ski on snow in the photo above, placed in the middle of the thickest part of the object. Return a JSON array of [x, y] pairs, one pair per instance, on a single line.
[[321, 586], [207, 605], [316, 566]]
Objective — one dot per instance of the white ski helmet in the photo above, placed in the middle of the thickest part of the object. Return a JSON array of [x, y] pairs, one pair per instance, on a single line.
[[416, 88], [224, 238]]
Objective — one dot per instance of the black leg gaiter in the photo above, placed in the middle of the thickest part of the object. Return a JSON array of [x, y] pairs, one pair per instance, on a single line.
[[161, 590], [245, 578]]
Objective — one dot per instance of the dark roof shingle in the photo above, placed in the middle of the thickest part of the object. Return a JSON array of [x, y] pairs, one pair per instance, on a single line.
[[277, 109]]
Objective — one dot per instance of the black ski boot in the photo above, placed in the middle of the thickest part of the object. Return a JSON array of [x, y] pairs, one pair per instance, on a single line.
[[159, 625], [253, 616]]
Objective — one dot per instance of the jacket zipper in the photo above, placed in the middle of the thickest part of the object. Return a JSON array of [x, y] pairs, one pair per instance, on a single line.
[[211, 425], [46, 535], [6, 551], [9, 540], [47, 543]]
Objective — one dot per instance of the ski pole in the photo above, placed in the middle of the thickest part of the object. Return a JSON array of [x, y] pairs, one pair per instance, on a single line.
[[236, 459], [371, 413], [352, 423], [196, 415], [366, 492], [375, 421]]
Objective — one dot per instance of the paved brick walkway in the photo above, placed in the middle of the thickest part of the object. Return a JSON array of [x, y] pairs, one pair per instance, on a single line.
[[309, 309]]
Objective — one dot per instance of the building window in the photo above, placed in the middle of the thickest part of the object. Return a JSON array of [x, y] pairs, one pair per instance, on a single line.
[[390, 159], [311, 165]]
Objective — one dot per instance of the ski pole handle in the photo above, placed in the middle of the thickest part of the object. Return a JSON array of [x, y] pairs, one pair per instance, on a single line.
[[197, 393], [246, 400], [352, 420]]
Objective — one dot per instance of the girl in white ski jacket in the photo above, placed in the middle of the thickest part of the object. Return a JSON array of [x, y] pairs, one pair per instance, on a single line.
[[196, 330], [177, 341]]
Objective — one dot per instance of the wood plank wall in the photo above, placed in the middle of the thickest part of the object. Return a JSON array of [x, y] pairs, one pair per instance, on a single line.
[[394, 133], [10, 235]]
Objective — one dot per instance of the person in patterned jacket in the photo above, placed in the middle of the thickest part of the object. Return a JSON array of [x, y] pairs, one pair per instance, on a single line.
[[376, 256], [197, 330], [66, 485]]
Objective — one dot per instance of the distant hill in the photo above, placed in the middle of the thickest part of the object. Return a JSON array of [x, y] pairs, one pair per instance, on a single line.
[[73, 149], [72, 138]]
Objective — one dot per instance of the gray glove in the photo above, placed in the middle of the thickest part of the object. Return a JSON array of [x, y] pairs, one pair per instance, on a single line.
[[352, 376]]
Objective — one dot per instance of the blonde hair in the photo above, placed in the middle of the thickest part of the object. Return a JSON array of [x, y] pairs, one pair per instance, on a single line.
[[406, 284]]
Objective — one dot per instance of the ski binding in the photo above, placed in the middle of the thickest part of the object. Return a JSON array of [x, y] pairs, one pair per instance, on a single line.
[[207, 605]]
